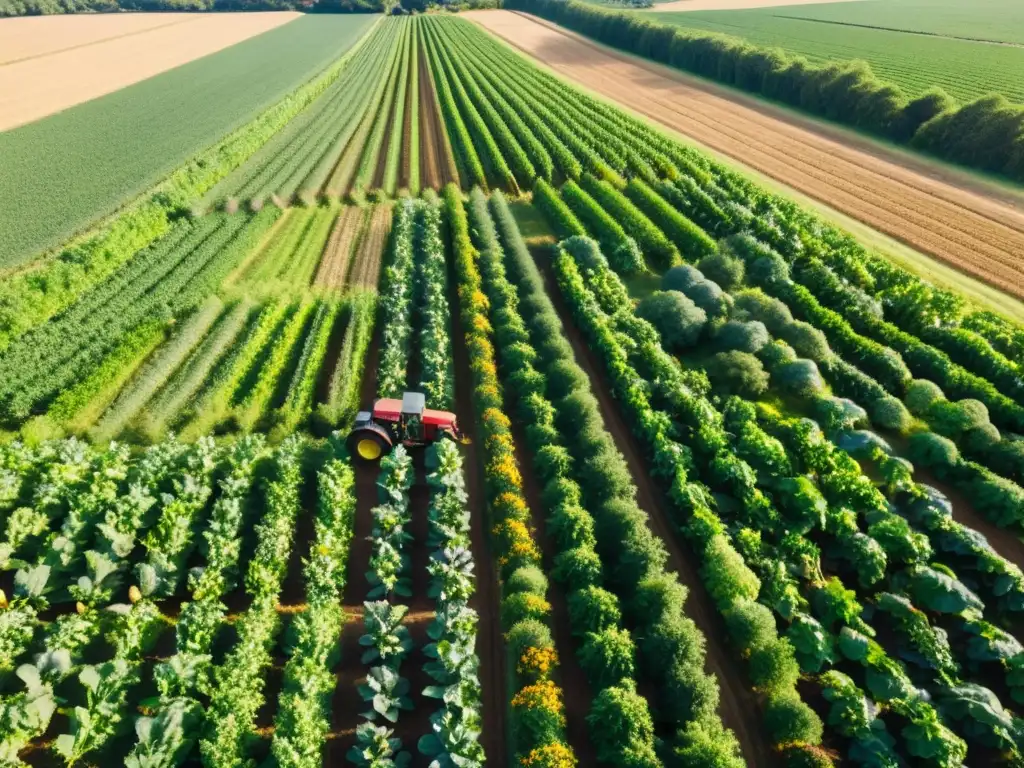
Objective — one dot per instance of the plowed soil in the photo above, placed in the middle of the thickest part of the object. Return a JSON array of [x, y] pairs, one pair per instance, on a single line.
[[967, 225], [366, 270], [338, 253], [436, 162], [62, 73]]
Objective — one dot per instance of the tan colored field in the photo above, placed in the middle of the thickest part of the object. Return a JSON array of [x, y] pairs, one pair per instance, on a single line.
[[27, 37], [52, 63], [961, 225], [736, 5]]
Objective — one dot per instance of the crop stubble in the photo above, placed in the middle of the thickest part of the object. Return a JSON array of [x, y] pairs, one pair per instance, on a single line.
[[366, 270], [337, 254], [48, 83], [966, 229]]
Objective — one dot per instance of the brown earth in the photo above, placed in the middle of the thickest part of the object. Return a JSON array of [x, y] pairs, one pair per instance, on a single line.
[[338, 253], [29, 37], [404, 165], [366, 270], [430, 130], [970, 225], [738, 706], [35, 87]]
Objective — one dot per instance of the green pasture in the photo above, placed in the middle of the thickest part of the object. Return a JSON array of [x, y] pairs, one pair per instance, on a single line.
[[916, 44]]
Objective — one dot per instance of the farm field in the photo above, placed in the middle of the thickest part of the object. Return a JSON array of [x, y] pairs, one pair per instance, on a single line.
[[65, 171], [28, 37], [723, 487], [977, 235], [41, 82], [968, 49]]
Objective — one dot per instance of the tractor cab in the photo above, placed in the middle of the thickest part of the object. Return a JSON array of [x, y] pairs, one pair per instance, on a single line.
[[407, 421]]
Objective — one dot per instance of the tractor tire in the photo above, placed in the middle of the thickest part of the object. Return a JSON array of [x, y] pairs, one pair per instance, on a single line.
[[368, 443]]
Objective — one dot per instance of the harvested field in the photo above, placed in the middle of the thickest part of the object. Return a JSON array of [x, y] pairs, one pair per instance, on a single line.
[[366, 271], [968, 229], [337, 255], [29, 37], [45, 83]]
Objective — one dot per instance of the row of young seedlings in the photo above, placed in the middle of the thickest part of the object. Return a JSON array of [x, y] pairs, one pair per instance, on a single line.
[[536, 699], [609, 560], [829, 600]]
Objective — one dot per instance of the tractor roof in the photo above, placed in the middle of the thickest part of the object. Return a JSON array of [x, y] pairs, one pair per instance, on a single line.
[[413, 402], [390, 409]]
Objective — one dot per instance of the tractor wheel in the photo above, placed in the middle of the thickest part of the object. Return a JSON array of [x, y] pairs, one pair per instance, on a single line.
[[368, 443]]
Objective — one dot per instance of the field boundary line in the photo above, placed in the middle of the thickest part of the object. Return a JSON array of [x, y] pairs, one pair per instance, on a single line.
[[123, 35], [980, 40]]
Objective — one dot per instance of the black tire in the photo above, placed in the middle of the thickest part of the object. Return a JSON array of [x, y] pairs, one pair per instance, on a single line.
[[367, 444]]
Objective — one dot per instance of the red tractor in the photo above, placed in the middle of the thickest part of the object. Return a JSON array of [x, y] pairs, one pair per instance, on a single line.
[[407, 421]]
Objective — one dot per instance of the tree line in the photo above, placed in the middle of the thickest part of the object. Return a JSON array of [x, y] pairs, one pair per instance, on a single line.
[[986, 134]]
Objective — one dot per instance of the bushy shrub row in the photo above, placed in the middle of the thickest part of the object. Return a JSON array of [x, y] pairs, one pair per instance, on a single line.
[[656, 247], [740, 459], [987, 133], [606, 653], [537, 706], [620, 247], [726, 576]]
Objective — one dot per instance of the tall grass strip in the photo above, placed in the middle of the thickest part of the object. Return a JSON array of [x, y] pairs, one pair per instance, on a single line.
[[157, 370]]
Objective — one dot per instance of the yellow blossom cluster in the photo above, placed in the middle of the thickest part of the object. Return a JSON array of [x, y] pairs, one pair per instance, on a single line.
[[554, 755], [544, 695], [537, 662]]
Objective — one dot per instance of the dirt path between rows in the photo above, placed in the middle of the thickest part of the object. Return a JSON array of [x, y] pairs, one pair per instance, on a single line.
[[432, 169], [738, 706], [970, 226], [575, 686]]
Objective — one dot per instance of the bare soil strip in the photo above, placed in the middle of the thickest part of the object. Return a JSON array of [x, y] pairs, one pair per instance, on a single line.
[[404, 167], [37, 87], [366, 269], [970, 227], [738, 706], [431, 173], [337, 254]]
